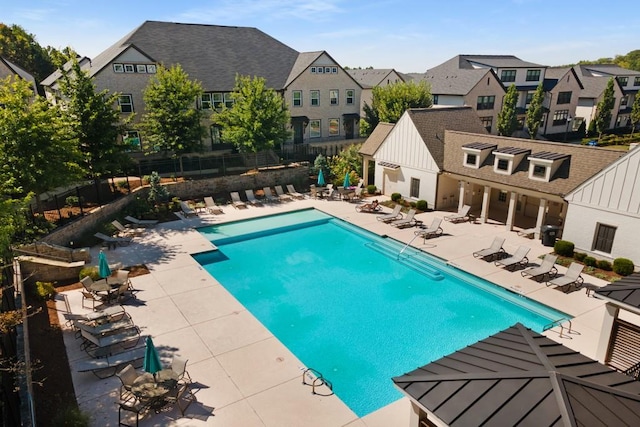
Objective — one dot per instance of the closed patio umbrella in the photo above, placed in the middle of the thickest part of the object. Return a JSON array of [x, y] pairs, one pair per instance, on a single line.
[[151, 362], [103, 266], [346, 182], [321, 181]]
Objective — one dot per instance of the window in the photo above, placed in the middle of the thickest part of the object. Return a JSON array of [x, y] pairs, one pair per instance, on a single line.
[[529, 98], [327, 70], [533, 75], [564, 98], [502, 165], [319, 70], [118, 68], [141, 68], [560, 117], [215, 135], [228, 99], [334, 127], [508, 76], [313, 70], [502, 196], [539, 171], [151, 69], [333, 96], [314, 129], [636, 81], [205, 101], [351, 96], [315, 98], [414, 191], [623, 81], [487, 122], [435, 99], [486, 102], [334, 70], [471, 159], [132, 139], [217, 100], [128, 68], [125, 102], [297, 98], [624, 101], [603, 240]]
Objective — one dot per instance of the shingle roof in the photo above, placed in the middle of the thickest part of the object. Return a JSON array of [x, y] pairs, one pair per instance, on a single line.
[[519, 377], [369, 78], [584, 162], [16, 69], [497, 61], [611, 69], [625, 291], [453, 81], [375, 140], [431, 124]]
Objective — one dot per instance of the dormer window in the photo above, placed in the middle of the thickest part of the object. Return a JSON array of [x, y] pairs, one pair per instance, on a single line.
[[503, 165], [543, 165], [471, 160], [476, 153], [507, 159]]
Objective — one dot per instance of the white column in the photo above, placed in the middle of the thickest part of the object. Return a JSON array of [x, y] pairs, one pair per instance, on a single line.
[[365, 171], [414, 417], [610, 316], [461, 199], [486, 197], [542, 209], [513, 200]]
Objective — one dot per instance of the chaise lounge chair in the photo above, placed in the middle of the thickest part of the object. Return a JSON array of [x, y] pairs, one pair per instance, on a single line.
[[187, 210], [518, 259], [492, 252], [112, 242], [461, 216], [571, 277], [211, 206], [109, 365], [141, 222], [251, 198], [547, 268], [395, 214], [409, 221], [271, 198], [235, 199], [369, 208], [282, 195], [292, 190], [434, 230], [127, 232]]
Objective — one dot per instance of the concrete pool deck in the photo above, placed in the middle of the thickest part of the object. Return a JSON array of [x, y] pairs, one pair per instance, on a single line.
[[239, 368]]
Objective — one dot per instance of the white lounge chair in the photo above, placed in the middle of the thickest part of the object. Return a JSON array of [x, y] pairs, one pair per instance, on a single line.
[[547, 268], [492, 252], [282, 195], [461, 216], [211, 206], [434, 230], [571, 277], [187, 210], [395, 214], [409, 221], [235, 200], [271, 198], [126, 232], [141, 222], [292, 190], [251, 198], [518, 259]]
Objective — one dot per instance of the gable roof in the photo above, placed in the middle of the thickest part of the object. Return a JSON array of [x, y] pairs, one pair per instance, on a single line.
[[375, 140], [453, 81], [519, 377], [372, 77], [19, 71], [609, 69], [584, 162], [624, 292], [496, 61], [212, 54], [593, 86], [305, 60]]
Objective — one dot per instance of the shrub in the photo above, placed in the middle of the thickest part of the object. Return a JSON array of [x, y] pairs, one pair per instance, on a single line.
[[589, 261], [603, 264], [564, 248], [579, 256], [71, 417], [396, 197], [122, 184], [421, 205], [45, 290], [412, 204], [623, 266], [91, 271], [72, 201], [371, 189]]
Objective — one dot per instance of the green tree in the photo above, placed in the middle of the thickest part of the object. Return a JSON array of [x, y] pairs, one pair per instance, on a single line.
[[604, 109], [95, 124], [37, 152], [535, 112], [171, 123], [508, 118], [389, 102], [258, 118], [348, 160], [322, 164], [635, 113]]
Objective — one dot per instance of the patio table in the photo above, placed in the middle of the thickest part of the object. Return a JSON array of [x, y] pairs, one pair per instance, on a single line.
[[153, 389]]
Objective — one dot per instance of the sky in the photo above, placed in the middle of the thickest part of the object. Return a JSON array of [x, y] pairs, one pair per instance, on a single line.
[[409, 36]]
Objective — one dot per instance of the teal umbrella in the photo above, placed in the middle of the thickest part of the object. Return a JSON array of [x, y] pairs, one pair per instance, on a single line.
[[151, 362], [346, 182], [321, 179], [103, 266]]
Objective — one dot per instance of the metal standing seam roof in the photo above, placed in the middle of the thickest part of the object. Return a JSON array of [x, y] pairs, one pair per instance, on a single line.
[[480, 146], [514, 151], [546, 155], [519, 377], [625, 291]]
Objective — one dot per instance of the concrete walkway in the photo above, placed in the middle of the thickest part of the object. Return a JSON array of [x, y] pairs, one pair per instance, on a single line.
[[239, 368]]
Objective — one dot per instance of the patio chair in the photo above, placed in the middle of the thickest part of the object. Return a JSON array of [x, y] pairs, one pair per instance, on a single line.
[[180, 395], [395, 214], [141, 222], [127, 376], [124, 293], [314, 192], [111, 314], [100, 346], [211, 206], [187, 210], [113, 242], [292, 190], [546, 269], [271, 198], [492, 252], [108, 366], [373, 207], [90, 296], [106, 328], [235, 200], [409, 221], [528, 232], [434, 230], [122, 276], [461, 216], [179, 367], [329, 191], [251, 198], [126, 232], [571, 277], [282, 195], [518, 259], [135, 406], [87, 281]]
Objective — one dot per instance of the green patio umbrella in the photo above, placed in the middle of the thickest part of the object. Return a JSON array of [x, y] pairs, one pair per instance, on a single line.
[[103, 266], [321, 179], [346, 183], [151, 362]]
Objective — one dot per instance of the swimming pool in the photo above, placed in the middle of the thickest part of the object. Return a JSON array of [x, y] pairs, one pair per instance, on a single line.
[[346, 304]]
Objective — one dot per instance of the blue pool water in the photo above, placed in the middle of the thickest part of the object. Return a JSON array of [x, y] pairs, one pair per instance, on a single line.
[[341, 301]]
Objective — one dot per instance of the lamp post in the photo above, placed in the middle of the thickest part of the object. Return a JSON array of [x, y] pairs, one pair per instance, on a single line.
[[566, 129]]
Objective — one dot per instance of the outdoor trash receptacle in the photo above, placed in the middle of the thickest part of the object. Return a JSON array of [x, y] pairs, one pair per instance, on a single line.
[[548, 233]]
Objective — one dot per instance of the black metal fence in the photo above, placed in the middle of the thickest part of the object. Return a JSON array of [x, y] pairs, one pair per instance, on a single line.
[[10, 405]]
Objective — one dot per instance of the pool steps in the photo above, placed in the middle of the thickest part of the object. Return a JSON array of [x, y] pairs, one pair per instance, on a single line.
[[410, 259]]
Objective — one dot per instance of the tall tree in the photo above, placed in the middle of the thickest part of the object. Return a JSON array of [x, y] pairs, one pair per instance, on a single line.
[[95, 124], [535, 112], [635, 113], [389, 102], [258, 118], [37, 151], [171, 123], [604, 109], [508, 117]]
